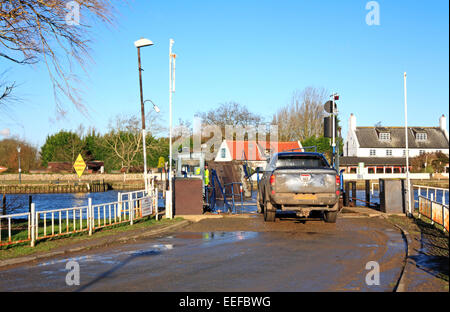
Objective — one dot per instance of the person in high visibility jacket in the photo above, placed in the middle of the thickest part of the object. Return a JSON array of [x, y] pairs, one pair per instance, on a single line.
[[206, 175]]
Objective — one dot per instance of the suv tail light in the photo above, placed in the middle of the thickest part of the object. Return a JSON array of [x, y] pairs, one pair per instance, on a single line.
[[272, 183], [338, 184]]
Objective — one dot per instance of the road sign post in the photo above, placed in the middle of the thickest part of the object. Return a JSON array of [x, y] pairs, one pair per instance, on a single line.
[[79, 165]]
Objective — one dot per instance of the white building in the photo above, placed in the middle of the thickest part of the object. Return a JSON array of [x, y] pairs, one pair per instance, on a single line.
[[390, 141], [380, 152]]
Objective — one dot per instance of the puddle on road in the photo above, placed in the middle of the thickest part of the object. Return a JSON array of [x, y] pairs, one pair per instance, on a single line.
[[108, 259], [215, 238], [155, 250], [368, 245]]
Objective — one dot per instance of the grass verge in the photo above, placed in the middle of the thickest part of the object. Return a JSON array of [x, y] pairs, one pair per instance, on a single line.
[[49, 244]]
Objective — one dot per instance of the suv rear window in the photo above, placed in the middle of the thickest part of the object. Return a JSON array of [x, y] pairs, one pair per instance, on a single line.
[[302, 161]]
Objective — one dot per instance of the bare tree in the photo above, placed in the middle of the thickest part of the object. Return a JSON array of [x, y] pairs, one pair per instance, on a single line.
[[230, 113], [302, 118], [37, 30], [124, 140]]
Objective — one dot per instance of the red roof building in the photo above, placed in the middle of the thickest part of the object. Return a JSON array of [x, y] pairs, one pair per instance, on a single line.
[[253, 150]]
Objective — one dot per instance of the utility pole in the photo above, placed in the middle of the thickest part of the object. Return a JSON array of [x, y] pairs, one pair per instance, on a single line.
[[408, 182]]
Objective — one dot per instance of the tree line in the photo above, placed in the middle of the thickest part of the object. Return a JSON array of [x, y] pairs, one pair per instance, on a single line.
[[120, 148]]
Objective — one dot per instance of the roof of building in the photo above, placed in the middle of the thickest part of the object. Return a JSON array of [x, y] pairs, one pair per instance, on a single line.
[[372, 161], [255, 151], [368, 137]]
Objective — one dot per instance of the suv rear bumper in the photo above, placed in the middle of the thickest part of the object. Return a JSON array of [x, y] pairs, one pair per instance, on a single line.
[[289, 201]]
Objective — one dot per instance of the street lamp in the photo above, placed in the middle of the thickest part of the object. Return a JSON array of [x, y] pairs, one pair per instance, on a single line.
[[20, 170], [155, 107], [140, 44]]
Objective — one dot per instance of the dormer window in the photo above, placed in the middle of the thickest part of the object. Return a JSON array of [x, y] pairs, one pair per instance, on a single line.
[[385, 136], [421, 136]]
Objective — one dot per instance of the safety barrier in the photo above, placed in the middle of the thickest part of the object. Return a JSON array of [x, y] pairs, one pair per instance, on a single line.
[[437, 194], [436, 212], [38, 225], [15, 223]]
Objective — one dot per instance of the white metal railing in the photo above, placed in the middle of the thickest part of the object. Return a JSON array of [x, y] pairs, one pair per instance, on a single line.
[[432, 193], [61, 221], [130, 195], [11, 227], [436, 212], [57, 222]]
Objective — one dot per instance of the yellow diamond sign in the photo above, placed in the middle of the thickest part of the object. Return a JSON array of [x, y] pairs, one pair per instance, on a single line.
[[79, 165]]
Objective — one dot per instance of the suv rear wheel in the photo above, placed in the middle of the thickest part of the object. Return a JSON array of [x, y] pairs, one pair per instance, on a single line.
[[259, 205], [269, 212]]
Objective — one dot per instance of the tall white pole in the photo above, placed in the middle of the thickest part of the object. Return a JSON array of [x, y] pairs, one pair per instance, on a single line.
[[408, 182], [144, 150], [169, 210]]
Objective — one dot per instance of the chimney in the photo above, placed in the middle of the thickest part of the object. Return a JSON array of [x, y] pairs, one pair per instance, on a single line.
[[443, 125], [352, 123]]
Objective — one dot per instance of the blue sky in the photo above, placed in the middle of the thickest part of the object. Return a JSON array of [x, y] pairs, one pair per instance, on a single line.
[[256, 53]]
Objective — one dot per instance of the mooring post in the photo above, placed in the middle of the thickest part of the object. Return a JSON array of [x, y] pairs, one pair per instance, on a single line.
[[346, 193], [353, 193], [30, 200], [3, 209], [367, 193]]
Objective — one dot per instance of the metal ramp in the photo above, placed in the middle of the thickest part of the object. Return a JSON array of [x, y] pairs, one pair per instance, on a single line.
[[233, 201]]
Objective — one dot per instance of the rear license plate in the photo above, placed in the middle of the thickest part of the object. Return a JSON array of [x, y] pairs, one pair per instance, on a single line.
[[305, 196], [305, 178]]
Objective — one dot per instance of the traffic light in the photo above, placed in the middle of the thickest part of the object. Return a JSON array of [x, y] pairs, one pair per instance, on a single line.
[[328, 127]]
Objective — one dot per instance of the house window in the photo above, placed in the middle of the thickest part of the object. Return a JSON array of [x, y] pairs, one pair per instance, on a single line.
[[385, 136], [388, 152], [421, 136], [223, 153], [404, 153], [373, 152], [421, 152]]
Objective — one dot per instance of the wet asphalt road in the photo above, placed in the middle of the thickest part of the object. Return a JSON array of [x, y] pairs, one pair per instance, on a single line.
[[232, 254]]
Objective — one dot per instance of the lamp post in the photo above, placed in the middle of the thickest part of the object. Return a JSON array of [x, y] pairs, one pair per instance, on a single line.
[[20, 170], [140, 44]]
